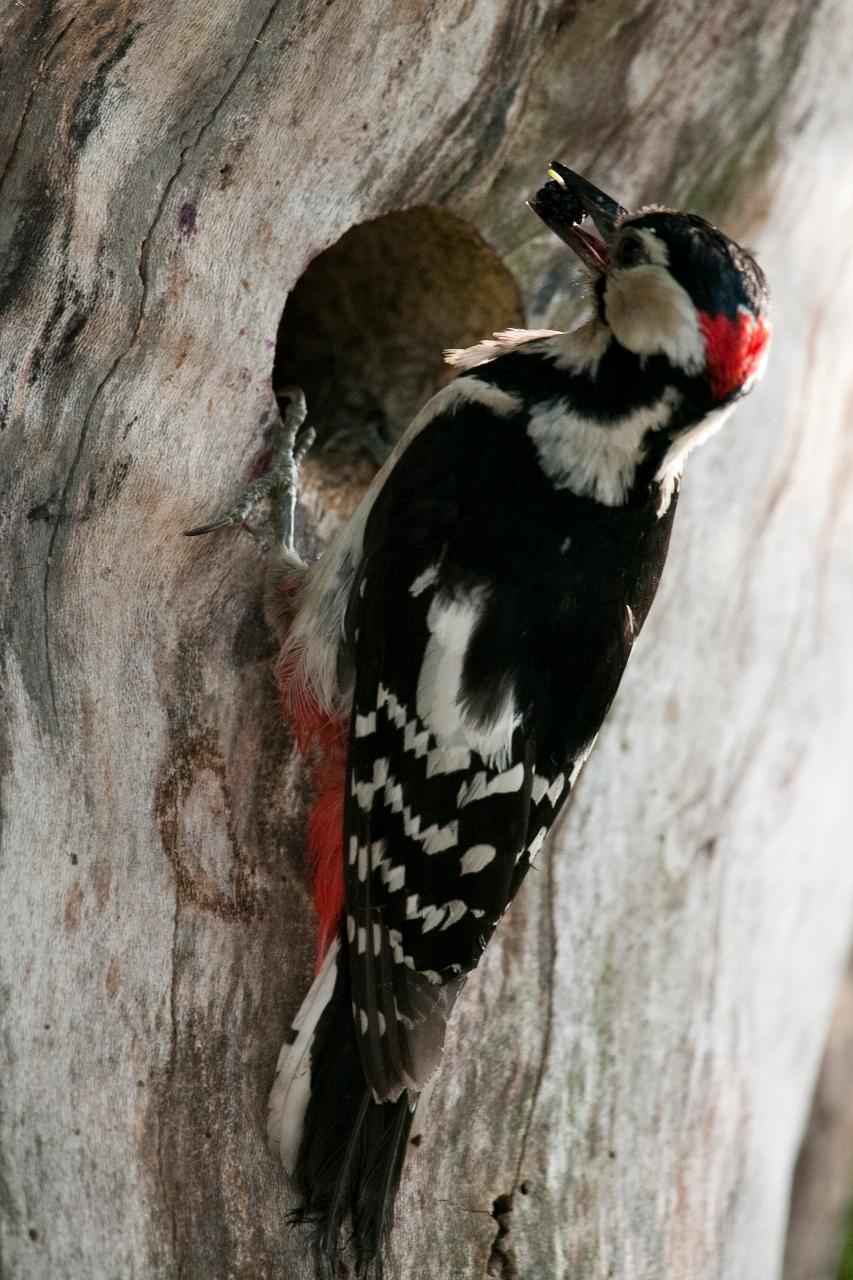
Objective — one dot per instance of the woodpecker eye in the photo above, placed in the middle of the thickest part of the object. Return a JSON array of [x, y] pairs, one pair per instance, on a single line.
[[629, 251]]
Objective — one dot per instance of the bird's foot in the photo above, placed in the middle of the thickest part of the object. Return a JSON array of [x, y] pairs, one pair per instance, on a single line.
[[280, 481]]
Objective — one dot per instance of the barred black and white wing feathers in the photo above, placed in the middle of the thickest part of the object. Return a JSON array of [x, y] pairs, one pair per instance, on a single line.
[[454, 773]]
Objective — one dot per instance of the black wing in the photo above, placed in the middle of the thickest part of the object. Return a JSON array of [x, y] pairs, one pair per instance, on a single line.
[[491, 624], [437, 833]]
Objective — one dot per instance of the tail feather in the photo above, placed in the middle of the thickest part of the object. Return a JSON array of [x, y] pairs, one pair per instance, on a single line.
[[385, 1151], [292, 1088], [344, 1150], [335, 1188]]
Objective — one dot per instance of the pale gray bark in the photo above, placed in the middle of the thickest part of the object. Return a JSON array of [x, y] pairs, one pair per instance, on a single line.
[[638, 1049]]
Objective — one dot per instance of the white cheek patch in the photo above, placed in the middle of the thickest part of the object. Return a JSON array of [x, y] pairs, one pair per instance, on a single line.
[[656, 250], [651, 314]]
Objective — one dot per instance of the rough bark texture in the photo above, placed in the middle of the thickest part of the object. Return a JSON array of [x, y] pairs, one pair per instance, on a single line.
[[629, 1071]]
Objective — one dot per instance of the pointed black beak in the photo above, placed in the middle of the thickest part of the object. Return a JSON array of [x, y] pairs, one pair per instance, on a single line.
[[603, 209], [565, 201]]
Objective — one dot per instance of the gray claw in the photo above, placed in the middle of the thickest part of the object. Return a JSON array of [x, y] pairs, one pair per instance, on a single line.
[[291, 442]]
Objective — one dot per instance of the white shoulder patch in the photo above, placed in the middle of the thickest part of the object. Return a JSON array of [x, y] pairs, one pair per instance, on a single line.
[[498, 345], [458, 393], [439, 699], [451, 624]]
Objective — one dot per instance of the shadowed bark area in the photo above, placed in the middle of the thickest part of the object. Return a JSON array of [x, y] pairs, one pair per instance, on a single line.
[[822, 1193], [628, 1073]]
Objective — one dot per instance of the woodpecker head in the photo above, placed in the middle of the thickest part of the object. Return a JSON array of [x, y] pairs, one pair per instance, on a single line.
[[666, 283]]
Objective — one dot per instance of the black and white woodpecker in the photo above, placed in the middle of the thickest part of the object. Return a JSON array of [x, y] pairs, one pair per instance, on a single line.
[[450, 658]]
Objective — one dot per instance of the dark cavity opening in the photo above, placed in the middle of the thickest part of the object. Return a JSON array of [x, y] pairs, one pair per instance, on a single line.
[[365, 326]]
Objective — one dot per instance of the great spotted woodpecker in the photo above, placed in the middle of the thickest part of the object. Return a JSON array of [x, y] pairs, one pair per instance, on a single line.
[[450, 659]]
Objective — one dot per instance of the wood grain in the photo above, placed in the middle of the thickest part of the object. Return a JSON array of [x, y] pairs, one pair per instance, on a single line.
[[630, 1069]]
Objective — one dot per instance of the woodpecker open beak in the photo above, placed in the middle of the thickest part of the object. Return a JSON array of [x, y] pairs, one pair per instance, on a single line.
[[565, 201]]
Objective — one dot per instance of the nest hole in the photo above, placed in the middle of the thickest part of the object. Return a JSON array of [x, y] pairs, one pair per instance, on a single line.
[[365, 326]]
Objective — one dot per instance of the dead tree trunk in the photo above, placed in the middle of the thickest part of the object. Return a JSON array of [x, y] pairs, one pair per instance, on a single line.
[[822, 1191], [628, 1072]]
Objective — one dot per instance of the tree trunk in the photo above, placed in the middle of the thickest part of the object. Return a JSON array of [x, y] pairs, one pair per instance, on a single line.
[[628, 1072], [819, 1227]]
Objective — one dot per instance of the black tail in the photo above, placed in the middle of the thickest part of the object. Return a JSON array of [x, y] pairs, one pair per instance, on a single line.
[[352, 1149]]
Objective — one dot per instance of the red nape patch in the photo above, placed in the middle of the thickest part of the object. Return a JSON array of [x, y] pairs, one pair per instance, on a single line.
[[733, 349]]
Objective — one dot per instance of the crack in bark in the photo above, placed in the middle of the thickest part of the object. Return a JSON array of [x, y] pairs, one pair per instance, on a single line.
[[144, 248], [664, 81], [142, 269], [168, 1081], [502, 1263], [13, 152], [549, 1017], [54, 534]]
